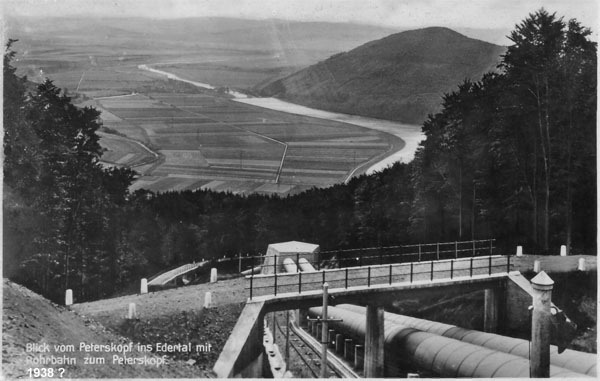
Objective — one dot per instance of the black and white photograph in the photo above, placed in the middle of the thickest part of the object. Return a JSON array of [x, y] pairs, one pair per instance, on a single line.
[[299, 189]]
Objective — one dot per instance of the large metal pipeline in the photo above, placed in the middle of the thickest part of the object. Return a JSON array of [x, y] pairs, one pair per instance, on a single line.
[[305, 265], [580, 362], [441, 355]]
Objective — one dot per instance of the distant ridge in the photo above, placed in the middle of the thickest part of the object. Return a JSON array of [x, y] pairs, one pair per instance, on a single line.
[[399, 77]]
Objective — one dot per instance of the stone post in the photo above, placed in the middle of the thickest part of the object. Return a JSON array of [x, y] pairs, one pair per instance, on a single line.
[[144, 286], [581, 264], [539, 363], [68, 297], [208, 299], [132, 313], [563, 250], [537, 266], [519, 251], [213, 275]]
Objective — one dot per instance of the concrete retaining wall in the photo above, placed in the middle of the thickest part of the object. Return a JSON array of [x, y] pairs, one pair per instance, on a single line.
[[243, 355]]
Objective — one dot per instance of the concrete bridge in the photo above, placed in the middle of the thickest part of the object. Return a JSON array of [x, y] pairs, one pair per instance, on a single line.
[[507, 296], [171, 276]]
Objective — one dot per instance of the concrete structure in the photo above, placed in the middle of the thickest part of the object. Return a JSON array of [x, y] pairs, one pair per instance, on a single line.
[[490, 310], [359, 356], [208, 300], [519, 251], [348, 350], [213, 275], [144, 286], [170, 277], [537, 266], [278, 252], [540, 326], [579, 362], [68, 297], [442, 355], [581, 264], [374, 341], [132, 312], [563, 250], [339, 343]]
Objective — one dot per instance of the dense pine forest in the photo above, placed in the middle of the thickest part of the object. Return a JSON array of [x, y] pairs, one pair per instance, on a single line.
[[511, 156]]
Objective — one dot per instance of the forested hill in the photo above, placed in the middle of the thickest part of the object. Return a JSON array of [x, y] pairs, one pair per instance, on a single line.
[[400, 77]]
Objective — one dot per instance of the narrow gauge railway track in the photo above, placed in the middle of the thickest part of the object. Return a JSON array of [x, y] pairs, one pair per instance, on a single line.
[[311, 356]]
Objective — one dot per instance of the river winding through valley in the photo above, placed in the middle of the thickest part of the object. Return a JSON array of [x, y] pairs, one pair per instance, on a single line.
[[409, 133]]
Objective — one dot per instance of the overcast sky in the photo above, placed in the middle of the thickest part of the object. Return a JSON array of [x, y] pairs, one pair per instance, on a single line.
[[499, 14]]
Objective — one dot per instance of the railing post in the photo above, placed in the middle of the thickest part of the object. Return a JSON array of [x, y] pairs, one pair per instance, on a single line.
[[346, 277], [491, 246], [275, 264], [411, 272], [455, 250], [419, 252], [251, 279], [299, 282], [298, 262], [471, 268], [323, 272], [451, 269], [437, 250], [473, 248], [508, 263], [369, 276], [275, 284], [431, 270], [390, 273], [490, 266]]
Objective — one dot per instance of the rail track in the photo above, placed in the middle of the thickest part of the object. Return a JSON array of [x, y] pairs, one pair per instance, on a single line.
[[308, 352]]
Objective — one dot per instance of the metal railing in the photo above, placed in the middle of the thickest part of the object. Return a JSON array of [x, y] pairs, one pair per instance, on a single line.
[[366, 256], [376, 275]]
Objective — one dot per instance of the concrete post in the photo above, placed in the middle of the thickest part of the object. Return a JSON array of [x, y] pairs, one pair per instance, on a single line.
[[539, 363], [319, 331], [348, 350], [339, 343], [331, 338], [581, 264], [563, 250], [359, 357], [208, 299], [144, 286], [490, 307], [537, 266], [213, 275], [132, 313], [374, 339], [519, 251], [301, 316], [68, 297]]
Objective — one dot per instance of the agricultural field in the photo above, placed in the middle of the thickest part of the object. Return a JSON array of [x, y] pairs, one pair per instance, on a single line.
[[181, 137], [206, 141]]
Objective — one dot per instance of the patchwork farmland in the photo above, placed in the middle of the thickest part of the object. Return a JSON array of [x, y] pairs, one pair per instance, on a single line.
[[180, 137], [206, 141]]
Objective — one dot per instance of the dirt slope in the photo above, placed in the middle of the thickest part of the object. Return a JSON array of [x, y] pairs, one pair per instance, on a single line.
[[28, 318]]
